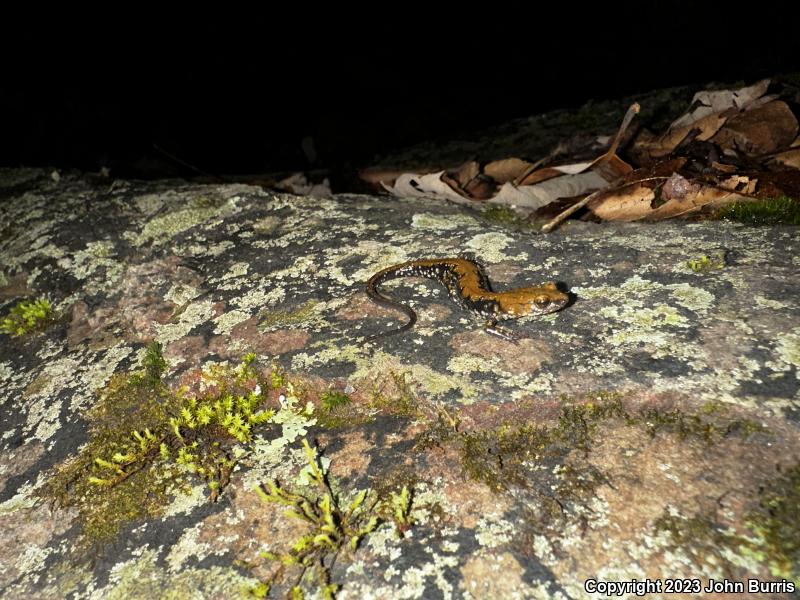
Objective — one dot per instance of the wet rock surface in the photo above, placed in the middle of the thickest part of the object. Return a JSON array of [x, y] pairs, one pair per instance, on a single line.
[[648, 430]]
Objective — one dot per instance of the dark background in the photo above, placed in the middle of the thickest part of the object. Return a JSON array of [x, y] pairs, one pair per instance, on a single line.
[[237, 95]]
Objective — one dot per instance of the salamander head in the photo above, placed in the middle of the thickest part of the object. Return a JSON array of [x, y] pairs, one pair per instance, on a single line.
[[537, 300]]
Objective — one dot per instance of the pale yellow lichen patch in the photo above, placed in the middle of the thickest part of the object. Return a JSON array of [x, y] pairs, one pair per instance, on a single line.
[[490, 246], [227, 321], [141, 577], [598, 365], [768, 303], [41, 398], [500, 576], [648, 327], [493, 531], [380, 257], [267, 455], [629, 291], [302, 267], [266, 225], [195, 314], [82, 264], [434, 222], [5, 371], [645, 319], [188, 546], [161, 229], [787, 348], [22, 500], [433, 494], [541, 384], [329, 353], [464, 364], [49, 422], [236, 270], [149, 203], [100, 371], [185, 501], [695, 299], [308, 316], [207, 250], [430, 383], [180, 293]]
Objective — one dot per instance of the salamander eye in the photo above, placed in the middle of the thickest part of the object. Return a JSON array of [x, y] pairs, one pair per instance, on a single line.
[[542, 301]]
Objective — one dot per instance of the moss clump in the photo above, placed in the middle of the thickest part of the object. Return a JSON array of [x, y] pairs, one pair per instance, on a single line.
[[27, 316], [540, 461], [776, 522], [506, 217], [334, 399], [772, 211], [337, 410], [147, 443], [700, 536], [694, 425], [501, 457], [704, 263], [333, 526]]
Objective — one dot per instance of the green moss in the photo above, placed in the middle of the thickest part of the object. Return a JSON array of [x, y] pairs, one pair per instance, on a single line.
[[707, 263], [27, 316], [333, 399], [776, 522], [502, 457], [147, 443], [501, 214], [700, 536], [544, 461], [333, 526], [338, 410], [695, 425], [772, 211]]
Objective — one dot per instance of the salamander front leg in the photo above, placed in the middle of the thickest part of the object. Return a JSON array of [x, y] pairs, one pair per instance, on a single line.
[[492, 327]]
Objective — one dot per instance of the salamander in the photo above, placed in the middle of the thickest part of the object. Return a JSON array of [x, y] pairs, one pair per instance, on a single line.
[[468, 285]]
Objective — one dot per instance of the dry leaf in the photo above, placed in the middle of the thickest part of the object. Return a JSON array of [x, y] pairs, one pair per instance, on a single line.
[[762, 130], [790, 158], [545, 192], [429, 185], [678, 196], [630, 203], [666, 143], [710, 111], [507, 169], [708, 102], [464, 174], [377, 176], [546, 173]]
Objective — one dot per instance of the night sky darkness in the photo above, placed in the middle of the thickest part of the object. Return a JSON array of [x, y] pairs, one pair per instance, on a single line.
[[238, 95]]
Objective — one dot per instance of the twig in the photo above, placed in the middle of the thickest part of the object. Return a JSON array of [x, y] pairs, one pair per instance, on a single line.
[[521, 177], [550, 225], [633, 110], [185, 164]]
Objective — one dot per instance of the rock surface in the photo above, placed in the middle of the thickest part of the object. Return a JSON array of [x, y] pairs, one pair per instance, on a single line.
[[647, 431]]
